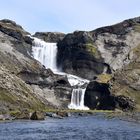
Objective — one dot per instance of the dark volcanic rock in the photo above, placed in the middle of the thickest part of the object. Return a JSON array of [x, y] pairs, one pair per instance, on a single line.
[[124, 103], [97, 96], [53, 37], [103, 50], [78, 55]]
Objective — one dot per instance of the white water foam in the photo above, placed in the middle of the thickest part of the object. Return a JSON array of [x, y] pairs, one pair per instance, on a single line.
[[46, 53]]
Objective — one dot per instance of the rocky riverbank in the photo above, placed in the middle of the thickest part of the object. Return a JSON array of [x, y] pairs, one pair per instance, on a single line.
[[61, 114]]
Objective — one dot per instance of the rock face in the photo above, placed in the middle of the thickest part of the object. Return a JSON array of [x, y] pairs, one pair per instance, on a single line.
[[98, 96], [53, 37], [24, 82], [104, 50], [78, 55], [124, 103]]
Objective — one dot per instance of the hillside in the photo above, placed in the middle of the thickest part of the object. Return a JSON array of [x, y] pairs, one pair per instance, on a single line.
[[109, 57]]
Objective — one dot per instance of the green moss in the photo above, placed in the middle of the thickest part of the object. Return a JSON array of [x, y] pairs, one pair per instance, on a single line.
[[104, 78], [92, 49]]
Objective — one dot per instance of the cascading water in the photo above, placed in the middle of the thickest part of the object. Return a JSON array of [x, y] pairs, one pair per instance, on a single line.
[[77, 99], [46, 54]]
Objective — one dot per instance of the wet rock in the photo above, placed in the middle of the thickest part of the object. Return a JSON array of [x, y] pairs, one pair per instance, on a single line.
[[37, 115], [54, 115], [62, 114]]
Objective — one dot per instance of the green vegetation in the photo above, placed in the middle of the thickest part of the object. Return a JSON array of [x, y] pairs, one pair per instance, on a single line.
[[15, 113], [104, 78], [6, 96], [92, 49], [78, 111]]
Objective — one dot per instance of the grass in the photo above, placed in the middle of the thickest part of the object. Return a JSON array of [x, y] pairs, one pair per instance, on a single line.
[[6, 96]]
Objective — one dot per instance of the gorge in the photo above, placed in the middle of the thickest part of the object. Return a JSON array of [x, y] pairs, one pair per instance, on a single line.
[[83, 70]]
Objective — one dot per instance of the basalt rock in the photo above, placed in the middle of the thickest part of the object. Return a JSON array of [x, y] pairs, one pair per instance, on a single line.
[[98, 96], [78, 55], [125, 103], [104, 50]]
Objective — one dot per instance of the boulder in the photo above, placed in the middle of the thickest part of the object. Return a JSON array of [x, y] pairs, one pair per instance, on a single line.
[[62, 114], [125, 103], [37, 115], [98, 96]]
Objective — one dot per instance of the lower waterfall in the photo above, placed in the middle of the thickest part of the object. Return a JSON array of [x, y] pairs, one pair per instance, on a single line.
[[46, 54], [77, 99]]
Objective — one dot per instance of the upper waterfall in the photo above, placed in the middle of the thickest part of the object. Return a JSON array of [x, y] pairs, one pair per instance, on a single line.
[[46, 53]]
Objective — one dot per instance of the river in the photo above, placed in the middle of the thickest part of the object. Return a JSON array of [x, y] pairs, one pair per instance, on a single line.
[[72, 128]]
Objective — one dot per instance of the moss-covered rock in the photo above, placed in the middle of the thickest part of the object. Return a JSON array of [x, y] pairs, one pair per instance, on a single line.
[[104, 78]]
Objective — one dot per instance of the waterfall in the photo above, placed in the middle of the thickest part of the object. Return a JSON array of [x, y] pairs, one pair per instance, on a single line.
[[46, 53], [77, 99]]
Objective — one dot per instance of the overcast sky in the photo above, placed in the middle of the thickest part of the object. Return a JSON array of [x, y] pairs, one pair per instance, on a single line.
[[67, 15]]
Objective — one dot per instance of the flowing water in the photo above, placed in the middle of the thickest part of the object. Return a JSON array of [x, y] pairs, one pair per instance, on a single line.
[[71, 128], [46, 54]]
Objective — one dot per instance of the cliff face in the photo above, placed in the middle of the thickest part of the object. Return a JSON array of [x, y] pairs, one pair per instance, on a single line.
[[107, 56], [24, 82], [104, 50]]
